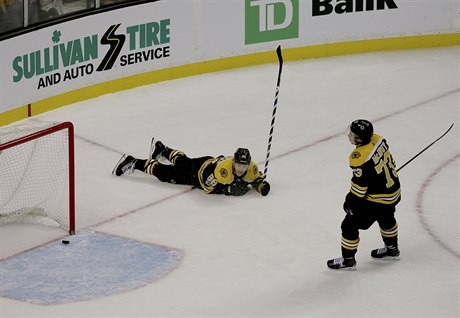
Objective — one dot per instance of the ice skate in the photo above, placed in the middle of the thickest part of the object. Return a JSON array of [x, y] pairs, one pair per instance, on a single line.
[[124, 165], [386, 253], [342, 263], [156, 149]]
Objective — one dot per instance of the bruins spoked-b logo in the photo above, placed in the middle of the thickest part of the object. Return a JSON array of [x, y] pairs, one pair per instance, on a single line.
[[223, 172]]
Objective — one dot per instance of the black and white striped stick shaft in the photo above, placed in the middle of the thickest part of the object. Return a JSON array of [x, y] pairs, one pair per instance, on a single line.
[[425, 149], [275, 104]]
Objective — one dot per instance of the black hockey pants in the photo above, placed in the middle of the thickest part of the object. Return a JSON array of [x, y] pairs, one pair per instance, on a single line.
[[185, 171], [362, 219]]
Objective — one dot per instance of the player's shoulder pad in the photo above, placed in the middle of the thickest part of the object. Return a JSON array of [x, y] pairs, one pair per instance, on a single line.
[[252, 173], [362, 154], [224, 171]]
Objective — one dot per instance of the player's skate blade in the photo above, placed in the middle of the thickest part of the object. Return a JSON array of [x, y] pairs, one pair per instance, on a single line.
[[124, 165]]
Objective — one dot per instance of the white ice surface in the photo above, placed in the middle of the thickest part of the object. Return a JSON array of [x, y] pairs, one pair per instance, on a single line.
[[256, 256]]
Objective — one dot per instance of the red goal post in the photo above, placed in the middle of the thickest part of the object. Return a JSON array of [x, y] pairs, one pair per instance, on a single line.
[[36, 164]]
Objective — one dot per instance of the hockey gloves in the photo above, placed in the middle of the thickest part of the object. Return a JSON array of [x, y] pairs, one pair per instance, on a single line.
[[261, 186], [352, 204], [237, 188], [347, 208]]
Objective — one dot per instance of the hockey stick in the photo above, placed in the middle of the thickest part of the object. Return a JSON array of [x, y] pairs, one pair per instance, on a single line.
[[275, 103], [425, 149]]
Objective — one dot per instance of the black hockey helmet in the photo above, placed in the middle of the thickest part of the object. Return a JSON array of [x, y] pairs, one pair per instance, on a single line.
[[363, 129], [242, 156]]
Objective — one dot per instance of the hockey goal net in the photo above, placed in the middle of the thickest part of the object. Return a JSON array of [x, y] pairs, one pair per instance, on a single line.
[[37, 174]]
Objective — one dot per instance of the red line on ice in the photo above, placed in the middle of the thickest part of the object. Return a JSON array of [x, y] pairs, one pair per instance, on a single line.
[[419, 206]]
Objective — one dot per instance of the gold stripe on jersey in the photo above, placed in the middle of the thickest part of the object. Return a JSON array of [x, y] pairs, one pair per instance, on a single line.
[[389, 198], [393, 232], [358, 190], [351, 245]]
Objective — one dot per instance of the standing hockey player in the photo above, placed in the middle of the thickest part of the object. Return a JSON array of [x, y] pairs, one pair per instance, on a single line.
[[375, 191], [221, 175]]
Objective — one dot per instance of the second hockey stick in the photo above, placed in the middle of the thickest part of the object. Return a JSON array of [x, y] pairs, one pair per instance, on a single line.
[[425, 149], [275, 104]]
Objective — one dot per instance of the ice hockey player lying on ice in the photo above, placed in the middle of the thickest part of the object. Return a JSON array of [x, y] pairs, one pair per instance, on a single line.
[[222, 175], [375, 191]]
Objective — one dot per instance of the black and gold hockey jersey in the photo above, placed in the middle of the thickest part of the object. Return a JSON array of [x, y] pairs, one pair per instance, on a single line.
[[374, 173], [217, 172]]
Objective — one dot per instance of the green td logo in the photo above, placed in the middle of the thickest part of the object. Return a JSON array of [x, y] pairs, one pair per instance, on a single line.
[[271, 20]]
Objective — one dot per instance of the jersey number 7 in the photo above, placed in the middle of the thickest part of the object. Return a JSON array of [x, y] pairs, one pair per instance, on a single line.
[[386, 164]]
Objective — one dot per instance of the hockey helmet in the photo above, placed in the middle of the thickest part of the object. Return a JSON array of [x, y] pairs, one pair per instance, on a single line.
[[363, 129], [242, 156]]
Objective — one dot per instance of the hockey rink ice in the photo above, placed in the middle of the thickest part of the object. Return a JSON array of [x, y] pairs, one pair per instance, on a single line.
[[255, 256]]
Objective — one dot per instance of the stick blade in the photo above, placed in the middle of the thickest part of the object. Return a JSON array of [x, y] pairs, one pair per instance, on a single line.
[[279, 54], [280, 59]]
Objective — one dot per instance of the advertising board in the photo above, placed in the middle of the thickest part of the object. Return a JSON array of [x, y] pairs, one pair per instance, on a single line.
[[165, 35]]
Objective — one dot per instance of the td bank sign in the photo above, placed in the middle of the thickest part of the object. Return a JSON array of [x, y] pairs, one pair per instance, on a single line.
[[271, 20]]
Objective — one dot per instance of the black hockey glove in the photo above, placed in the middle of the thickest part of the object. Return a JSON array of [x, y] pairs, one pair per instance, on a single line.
[[237, 188], [350, 206], [347, 208], [261, 186]]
